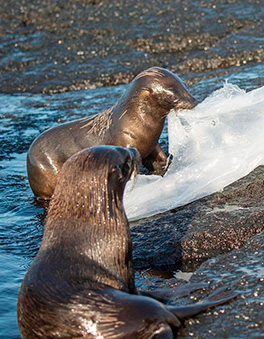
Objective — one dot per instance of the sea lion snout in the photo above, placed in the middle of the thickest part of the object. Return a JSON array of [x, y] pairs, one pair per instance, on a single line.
[[128, 166], [187, 102], [115, 158]]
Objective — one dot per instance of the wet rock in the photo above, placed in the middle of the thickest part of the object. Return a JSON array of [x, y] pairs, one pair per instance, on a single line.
[[60, 46], [226, 220], [206, 228], [241, 270]]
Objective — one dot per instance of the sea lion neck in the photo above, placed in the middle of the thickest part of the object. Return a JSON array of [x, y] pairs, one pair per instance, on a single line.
[[89, 220]]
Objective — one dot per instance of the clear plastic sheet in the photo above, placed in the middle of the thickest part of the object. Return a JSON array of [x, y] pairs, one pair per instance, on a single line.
[[213, 145]]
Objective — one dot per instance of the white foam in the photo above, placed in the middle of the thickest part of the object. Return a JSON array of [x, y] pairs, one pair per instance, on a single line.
[[213, 145]]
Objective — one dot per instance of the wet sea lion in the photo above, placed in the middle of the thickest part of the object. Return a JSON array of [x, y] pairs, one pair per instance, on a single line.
[[81, 283], [136, 120]]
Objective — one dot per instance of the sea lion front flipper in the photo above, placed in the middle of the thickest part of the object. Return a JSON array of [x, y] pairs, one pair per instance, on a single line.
[[156, 161], [165, 295], [219, 297]]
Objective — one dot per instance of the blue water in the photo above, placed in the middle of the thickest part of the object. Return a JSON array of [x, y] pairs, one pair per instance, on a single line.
[[22, 118]]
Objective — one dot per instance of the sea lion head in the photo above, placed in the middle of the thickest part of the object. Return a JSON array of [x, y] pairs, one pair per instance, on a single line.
[[93, 174], [166, 88]]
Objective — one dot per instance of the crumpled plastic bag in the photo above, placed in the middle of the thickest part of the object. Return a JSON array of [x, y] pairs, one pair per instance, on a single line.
[[213, 145]]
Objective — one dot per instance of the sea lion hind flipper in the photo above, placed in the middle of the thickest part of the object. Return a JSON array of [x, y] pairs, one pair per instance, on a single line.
[[221, 294], [219, 297], [165, 295], [139, 317]]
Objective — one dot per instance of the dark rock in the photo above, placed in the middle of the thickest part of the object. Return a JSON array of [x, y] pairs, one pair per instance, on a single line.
[[226, 220], [58, 46], [242, 271], [208, 227]]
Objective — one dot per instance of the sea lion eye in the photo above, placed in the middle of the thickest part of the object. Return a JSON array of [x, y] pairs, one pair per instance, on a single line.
[[145, 92], [148, 89]]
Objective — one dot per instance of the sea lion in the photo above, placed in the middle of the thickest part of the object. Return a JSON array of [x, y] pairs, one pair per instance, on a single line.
[[136, 120], [81, 283]]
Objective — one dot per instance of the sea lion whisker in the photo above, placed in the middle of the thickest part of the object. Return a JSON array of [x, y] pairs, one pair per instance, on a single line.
[[133, 183], [168, 161], [90, 121], [163, 116], [121, 116]]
